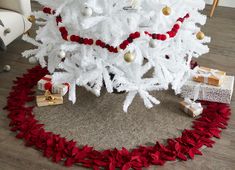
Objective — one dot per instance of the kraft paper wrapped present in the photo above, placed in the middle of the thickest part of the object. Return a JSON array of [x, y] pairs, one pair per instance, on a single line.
[[201, 91], [46, 84], [190, 107], [49, 99], [209, 76]]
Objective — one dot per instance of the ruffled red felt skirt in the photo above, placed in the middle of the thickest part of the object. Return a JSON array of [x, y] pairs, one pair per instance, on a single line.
[[214, 118]]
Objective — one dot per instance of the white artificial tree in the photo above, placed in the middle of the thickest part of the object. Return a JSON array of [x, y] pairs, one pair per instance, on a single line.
[[112, 21]]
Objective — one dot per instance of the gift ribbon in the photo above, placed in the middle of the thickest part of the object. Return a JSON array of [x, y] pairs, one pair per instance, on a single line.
[[48, 84], [191, 104], [199, 88], [49, 97], [207, 73], [46, 78]]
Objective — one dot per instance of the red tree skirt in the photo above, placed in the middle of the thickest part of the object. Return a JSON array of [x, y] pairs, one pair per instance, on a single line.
[[58, 149]]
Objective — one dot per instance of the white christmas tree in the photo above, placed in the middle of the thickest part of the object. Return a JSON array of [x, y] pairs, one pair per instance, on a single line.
[[113, 43]]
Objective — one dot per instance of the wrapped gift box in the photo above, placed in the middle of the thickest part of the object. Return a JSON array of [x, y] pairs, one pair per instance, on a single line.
[[190, 107], [209, 76], [46, 84], [49, 99], [201, 91]]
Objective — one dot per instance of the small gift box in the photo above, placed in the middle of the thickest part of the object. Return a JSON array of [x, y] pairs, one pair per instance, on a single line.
[[49, 99], [46, 84], [190, 107], [201, 91], [209, 76]]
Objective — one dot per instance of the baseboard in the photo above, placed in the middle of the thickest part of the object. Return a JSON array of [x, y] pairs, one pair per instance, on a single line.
[[226, 3]]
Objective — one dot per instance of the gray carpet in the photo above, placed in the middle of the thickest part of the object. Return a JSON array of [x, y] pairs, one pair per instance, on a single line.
[[101, 122]]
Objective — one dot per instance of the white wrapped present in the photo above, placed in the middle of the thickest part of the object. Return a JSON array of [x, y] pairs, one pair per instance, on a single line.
[[190, 107], [46, 84], [201, 91]]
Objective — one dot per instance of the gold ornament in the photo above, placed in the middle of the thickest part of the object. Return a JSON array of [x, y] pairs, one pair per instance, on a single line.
[[200, 35], [166, 11], [32, 18], [129, 57]]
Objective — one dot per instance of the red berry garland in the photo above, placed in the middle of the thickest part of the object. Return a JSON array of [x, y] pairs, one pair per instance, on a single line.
[[214, 118], [86, 41]]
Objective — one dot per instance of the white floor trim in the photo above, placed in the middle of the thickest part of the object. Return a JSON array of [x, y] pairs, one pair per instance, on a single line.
[[226, 3]]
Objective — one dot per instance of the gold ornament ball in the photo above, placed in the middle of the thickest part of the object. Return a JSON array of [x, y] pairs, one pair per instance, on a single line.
[[32, 18], [129, 57], [200, 35], [166, 11]]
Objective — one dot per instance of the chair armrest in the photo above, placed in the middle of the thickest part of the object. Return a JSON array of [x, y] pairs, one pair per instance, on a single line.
[[21, 6]]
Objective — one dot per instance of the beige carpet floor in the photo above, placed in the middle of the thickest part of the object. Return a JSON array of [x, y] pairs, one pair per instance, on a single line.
[[101, 122]]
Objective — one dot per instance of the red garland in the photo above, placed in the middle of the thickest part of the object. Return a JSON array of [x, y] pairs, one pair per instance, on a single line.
[[214, 118], [88, 41]]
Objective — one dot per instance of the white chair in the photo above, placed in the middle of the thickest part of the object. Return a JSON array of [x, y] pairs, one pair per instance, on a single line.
[[13, 20]]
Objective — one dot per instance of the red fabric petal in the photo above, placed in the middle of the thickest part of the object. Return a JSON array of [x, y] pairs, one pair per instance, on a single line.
[[57, 157], [69, 162], [177, 147], [182, 156], [127, 166]]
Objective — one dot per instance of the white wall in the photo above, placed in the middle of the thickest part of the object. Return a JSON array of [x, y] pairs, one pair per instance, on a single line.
[[227, 3]]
